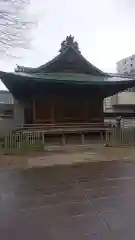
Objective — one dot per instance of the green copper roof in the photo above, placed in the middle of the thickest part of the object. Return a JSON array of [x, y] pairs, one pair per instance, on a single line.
[[56, 77], [15, 82], [69, 68], [63, 77], [69, 58]]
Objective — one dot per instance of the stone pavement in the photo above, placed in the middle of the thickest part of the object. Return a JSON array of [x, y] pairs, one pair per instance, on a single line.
[[85, 201]]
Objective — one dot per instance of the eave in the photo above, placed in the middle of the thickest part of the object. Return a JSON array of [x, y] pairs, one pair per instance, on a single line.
[[22, 83]]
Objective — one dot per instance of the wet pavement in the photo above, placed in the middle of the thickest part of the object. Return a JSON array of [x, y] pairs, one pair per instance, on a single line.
[[87, 201]]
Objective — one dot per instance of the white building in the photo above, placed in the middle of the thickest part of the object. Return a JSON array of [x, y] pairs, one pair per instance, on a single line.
[[126, 65], [6, 111], [124, 101]]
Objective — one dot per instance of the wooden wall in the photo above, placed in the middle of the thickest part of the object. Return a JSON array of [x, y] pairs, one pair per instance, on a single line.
[[63, 109]]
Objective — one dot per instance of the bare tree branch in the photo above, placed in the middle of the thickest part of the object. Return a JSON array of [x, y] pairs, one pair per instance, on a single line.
[[15, 25]]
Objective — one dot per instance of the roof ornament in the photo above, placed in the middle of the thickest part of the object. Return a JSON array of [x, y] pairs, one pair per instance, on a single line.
[[19, 68], [69, 42]]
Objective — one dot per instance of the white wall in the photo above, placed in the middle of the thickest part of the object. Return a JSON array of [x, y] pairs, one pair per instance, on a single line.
[[6, 125], [9, 124], [126, 65], [124, 98], [108, 104]]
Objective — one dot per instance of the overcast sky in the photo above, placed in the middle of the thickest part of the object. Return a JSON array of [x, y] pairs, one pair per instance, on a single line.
[[104, 29]]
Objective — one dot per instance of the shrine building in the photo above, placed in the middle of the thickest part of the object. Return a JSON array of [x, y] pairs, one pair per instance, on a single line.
[[66, 90]]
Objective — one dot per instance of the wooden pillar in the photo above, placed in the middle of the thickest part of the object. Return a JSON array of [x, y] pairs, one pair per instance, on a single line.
[[52, 111], [82, 138], [86, 111], [63, 139], [34, 110], [102, 109]]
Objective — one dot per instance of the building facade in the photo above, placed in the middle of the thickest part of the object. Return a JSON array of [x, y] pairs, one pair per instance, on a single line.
[[6, 111], [67, 90], [126, 65], [123, 102]]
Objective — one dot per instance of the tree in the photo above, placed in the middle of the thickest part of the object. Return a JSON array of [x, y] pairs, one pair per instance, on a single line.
[[15, 25]]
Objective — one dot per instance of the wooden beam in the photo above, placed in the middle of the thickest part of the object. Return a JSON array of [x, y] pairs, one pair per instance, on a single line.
[[34, 110]]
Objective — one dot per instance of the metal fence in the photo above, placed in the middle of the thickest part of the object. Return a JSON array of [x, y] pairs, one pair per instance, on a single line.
[[34, 140], [124, 133]]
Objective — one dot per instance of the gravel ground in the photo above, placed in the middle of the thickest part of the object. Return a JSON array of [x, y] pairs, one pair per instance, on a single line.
[[67, 155]]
